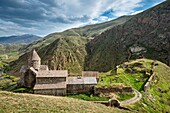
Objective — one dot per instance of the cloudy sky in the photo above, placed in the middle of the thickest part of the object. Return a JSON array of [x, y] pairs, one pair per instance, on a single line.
[[41, 17]]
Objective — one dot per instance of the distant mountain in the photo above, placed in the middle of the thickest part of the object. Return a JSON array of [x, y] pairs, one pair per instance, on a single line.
[[20, 39]]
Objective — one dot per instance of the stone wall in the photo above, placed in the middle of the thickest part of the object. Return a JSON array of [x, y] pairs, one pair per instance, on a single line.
[[152, 77], [55, 92], [107, 91], [51, 80], [147, 85], [29, 79], [79, 88]]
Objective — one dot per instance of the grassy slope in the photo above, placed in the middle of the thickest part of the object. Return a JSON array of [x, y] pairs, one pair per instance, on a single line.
[[65, 53], [88, 97], [10, 51], [157, 98], [136, 78], [13, 102], [6, 81]]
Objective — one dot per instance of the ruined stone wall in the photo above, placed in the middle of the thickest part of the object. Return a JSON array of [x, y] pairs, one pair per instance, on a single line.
[[108, 90], [56, 92], [147, 85], [152, 77]]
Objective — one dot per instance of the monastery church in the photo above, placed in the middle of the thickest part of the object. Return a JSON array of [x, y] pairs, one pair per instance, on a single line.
[[55, 82]]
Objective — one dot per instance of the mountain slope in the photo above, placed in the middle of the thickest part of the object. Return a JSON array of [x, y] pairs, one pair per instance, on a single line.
[[66, 50], [13, 102], [87, 31], [22, 39], [144, 35], [65, 53]]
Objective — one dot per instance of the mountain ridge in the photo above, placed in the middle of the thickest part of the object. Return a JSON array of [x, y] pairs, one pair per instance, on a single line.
[[19, 39]]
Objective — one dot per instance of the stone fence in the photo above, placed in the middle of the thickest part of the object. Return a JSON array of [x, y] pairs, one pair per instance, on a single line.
[[152, 77], [109, 91], [147, 85]]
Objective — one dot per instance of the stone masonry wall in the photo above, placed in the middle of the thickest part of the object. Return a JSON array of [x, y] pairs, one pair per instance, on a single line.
[[108, 90]]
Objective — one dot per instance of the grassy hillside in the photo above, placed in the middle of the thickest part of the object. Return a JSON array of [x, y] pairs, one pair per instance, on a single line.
[[7, 81], [13, 102], [157, 98], [65, 53], [135, 73], [10, 52]]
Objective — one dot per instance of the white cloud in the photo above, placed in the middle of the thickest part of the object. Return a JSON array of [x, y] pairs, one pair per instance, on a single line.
[[46, 16]]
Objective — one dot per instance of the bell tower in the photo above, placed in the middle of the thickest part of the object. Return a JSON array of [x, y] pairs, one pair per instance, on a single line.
[[35, 60]]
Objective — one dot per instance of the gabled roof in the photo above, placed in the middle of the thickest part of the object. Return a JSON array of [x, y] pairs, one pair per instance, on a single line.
[[52, 73], [75, 80], [35, 56], [90, 80], [60, 85], [81, 80]]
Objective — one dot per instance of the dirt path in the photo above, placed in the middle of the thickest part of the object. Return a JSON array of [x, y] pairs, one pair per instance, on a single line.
[[136, 98]]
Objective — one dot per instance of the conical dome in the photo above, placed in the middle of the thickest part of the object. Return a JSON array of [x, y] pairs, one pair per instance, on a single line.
[[34, 60], [35, 56]]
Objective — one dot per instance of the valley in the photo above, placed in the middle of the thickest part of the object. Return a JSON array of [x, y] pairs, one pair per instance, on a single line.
[[121, 65]]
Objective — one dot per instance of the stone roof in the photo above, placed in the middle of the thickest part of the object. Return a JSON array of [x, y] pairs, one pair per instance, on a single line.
[[81, 80], [35, 56], [52, 73], [43, 67], [75, 80], [90, 80], [60, 85]]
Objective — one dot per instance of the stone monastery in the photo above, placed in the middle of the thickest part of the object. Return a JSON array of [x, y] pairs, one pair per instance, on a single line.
[[55, 82]]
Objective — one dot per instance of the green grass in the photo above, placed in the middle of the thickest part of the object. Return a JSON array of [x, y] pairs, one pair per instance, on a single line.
[[6, 81], [157, 97], [22, 90], [137, 79], [88, 97], [29, 103], [123, 97]]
